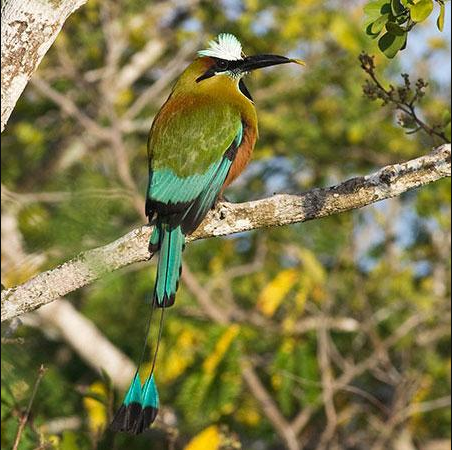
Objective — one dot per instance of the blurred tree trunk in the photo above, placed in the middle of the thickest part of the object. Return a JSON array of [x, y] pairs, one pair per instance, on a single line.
[[29, 28]]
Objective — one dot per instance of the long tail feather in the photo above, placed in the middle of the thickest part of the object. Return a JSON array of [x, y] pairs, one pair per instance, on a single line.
[[172, 242], [141, 403], [149, 405], [139, 409], [154, 239], [127, 415]]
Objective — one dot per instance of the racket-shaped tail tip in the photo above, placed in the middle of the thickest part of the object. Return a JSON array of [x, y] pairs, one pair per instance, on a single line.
[[127, 419], [136, 414], [127, 415]]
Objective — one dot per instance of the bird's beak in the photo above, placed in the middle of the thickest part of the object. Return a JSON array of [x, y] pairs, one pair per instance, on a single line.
[[250, 63]]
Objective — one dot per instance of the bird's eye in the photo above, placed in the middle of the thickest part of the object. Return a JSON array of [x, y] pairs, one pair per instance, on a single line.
[[222, 64]]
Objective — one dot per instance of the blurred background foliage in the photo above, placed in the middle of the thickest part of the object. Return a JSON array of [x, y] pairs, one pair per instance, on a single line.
[[344, 321]]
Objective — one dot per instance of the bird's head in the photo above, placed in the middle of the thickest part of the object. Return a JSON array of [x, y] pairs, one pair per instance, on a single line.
[[227, 58], [224, 62]]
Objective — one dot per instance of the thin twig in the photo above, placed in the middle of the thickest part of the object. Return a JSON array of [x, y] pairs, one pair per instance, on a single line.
[[24, 418], [284, 428], [398, 97]]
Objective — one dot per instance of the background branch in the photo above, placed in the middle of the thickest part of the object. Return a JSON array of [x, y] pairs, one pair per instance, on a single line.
[[228, 218]]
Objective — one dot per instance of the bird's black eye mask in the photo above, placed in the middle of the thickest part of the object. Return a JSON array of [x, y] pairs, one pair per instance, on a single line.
[[221, 65]]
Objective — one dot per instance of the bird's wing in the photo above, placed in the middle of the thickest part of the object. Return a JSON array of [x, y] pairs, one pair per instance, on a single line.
[[189, 157], [206, 199]]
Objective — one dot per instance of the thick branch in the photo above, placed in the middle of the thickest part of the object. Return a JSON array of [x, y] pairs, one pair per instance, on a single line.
[[229, 218], [86, 339], [28, 30]]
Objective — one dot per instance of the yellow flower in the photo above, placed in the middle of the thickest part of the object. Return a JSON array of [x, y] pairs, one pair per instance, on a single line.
[[208, 439]]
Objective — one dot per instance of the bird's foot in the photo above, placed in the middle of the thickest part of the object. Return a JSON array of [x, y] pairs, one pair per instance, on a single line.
[[220, 199]]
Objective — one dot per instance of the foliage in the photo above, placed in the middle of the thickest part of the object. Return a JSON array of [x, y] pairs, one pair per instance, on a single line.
[[390, 21], [362, 297]]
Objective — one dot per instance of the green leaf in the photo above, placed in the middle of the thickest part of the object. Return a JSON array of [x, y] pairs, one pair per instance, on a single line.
[[378, 25], [446, 117], [421, 10], [375, 9], [390, 44], [441, 17], [395, 29], [397, 7], [369, 32]]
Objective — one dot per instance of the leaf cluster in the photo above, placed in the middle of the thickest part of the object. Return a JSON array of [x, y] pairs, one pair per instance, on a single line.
[[390, 21]]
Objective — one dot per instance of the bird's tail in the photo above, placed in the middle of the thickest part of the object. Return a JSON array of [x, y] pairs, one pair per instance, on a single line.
[[141, 403], [171, 242], [139, 408]]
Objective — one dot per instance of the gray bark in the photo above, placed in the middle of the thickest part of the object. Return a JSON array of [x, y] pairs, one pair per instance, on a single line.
[[29, 28]]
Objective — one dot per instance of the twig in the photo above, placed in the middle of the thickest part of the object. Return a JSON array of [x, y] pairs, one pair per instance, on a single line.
[[172, 69], [16, 341], [24, 199], [139, 63], [403, 98], [423, 407], [70, 108], [80, 332], [203, 297], [324, 362], [269, 407], [26, 415]]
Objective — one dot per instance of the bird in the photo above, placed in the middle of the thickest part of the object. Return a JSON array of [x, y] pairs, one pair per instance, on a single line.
[[200, 141]]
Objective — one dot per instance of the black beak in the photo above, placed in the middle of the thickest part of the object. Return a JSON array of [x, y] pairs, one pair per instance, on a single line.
[[250, 63]]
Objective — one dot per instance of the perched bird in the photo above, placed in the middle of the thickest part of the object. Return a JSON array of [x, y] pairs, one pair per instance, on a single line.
[[200, 141]]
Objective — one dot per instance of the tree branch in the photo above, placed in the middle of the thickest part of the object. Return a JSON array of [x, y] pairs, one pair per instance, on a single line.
[[228, 218], [28, 30], [269, 407], [88, 341]]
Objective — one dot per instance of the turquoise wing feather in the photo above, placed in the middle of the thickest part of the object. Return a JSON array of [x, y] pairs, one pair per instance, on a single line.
[[206, 199]]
